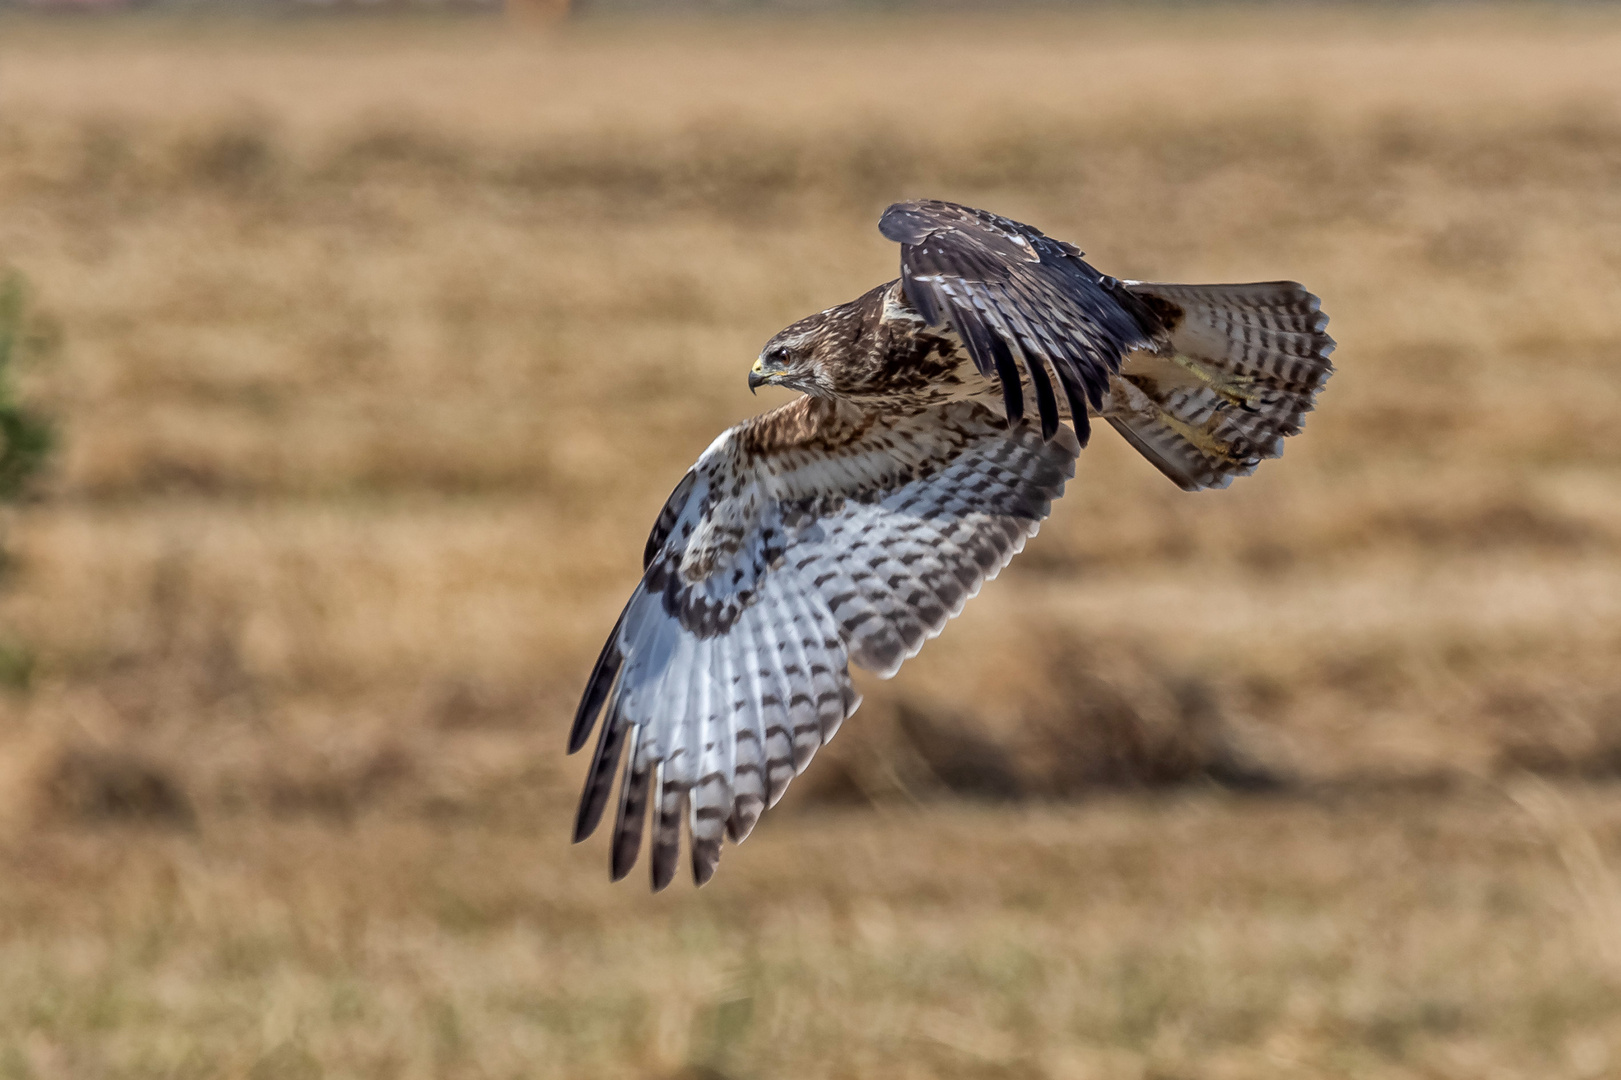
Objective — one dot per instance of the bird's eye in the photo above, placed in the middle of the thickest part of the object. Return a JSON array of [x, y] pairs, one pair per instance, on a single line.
[[778, 355]]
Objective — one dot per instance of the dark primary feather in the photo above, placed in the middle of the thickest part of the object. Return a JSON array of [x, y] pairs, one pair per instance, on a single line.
[[1046, 403], [667, 518], [1003, 286], [599, 783], [597, 686], [633, 791], [1006, 370], [667, 814], [608, 662]]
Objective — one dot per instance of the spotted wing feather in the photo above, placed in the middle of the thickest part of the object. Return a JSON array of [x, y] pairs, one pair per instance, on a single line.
[[776, 573]]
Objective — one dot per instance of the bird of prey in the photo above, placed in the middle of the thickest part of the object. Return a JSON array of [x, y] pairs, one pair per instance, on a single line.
[[848, 526]]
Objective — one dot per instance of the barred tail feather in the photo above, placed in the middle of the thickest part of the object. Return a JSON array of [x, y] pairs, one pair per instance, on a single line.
[[1242, 366]]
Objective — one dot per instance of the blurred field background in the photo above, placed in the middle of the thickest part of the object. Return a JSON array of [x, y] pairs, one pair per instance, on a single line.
[[375, 347]]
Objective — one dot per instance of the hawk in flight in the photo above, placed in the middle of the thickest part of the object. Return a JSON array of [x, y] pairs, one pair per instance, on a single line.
[[848, 526]]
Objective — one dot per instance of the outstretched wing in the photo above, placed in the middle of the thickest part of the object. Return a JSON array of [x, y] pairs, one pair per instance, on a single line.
[[771, 569], [1004, 286]]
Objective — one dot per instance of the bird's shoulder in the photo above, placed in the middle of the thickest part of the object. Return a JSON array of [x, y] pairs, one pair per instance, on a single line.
[[888, 353]]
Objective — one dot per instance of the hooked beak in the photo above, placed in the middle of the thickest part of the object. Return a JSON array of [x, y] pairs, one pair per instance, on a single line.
[[758, 376]]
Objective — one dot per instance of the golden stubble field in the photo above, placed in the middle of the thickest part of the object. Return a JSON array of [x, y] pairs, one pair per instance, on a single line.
[[376, 346]]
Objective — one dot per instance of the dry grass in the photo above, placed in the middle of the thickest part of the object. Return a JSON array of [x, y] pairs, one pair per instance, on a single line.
[[381, 345], [1199, 937]]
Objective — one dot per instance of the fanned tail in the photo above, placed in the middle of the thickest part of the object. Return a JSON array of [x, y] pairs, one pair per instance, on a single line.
[[1242, 367]]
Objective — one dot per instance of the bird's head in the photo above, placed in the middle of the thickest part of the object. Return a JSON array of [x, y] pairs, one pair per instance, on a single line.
[[815, 356], [790, 359]]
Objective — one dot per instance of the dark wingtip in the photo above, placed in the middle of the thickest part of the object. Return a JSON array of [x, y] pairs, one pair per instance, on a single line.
[[1046, 403], [1094, 394], [623, 860], [585, 718], [1076, 396], [667, 813], [627, 838], [599, 781], [602, 678], [705, 856], [745, 815], [665, 856], [627, 847], [1008, 372]]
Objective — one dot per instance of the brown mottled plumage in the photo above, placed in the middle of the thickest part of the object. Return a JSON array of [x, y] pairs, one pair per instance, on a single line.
[[851, 525]]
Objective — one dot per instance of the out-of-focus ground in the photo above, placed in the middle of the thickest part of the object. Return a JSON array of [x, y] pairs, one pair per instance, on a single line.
[[376, 347]]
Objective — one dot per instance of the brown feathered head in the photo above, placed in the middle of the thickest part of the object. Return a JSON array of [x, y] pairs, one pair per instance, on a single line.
[[859, 351]]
